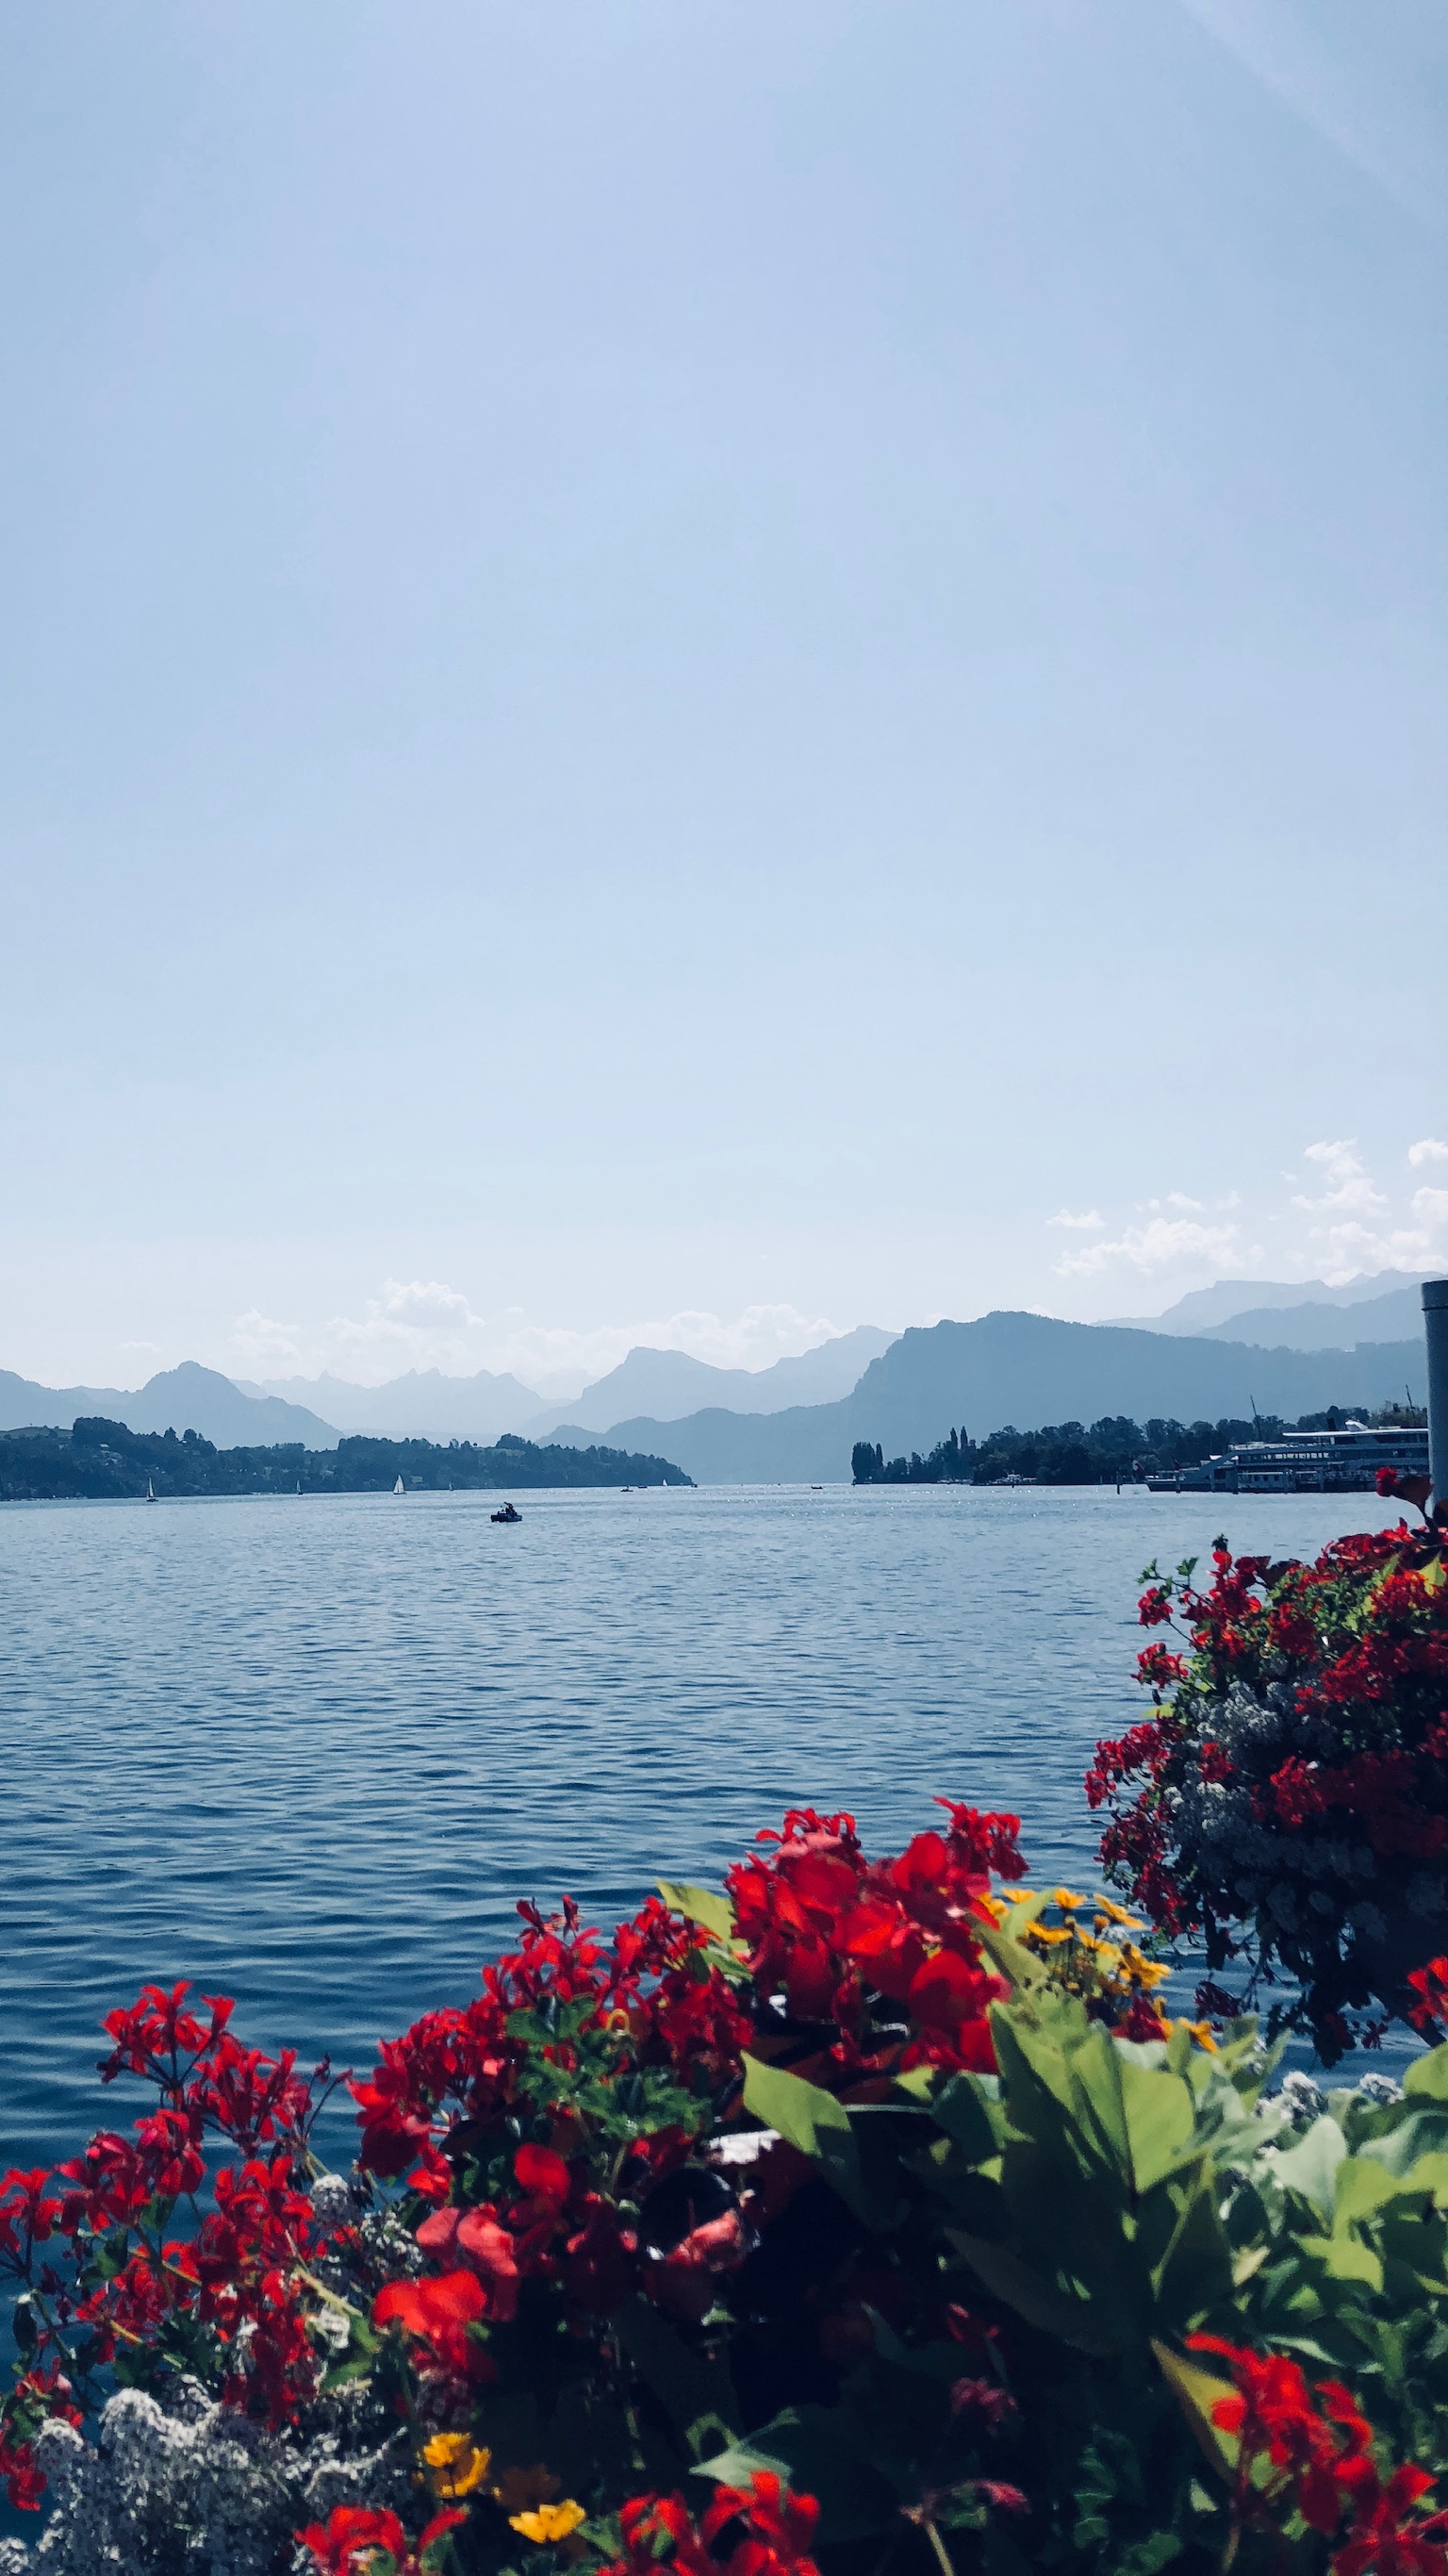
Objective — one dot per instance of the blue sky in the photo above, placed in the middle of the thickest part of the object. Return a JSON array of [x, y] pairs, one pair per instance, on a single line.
[[675, 672]]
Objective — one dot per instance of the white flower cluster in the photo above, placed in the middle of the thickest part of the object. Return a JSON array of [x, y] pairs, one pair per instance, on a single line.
[[199, 2491]]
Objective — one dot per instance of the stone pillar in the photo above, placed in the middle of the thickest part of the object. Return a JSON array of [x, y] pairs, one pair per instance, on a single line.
[[1435, 1325]]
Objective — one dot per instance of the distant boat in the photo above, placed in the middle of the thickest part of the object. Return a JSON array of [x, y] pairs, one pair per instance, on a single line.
[[816, 1489], [506, 1514], [399, 1487], [150, 1491]]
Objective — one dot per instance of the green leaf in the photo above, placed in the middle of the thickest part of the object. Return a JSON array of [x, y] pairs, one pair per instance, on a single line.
[[1363, 2185], [696, 2393], [1078, 2322], [1427, 2077], [1159, 2113], [1310, 2168], [964, 2112], [700, 1905], [1197, 2392], [813, 2448], [817, 2124], [1195, 2273]]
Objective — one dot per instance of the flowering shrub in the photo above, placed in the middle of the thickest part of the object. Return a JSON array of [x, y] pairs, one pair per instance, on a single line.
[[1287, 1799], [861, 2216]]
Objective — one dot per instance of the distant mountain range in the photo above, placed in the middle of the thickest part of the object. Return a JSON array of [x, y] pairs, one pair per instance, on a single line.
[[1317, 1326], [1212, 1355], [667, 1385], [1229, 1303], [1025, 1370], [423, 1405], [188, 1398]]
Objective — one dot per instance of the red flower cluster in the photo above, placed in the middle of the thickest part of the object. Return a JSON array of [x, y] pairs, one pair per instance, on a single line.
[[1347, 1661], [758, 2530], [359, 2540], [1430, 1985], [652, 1988], [237, 2274], [1317, 2451], [836, 1934]]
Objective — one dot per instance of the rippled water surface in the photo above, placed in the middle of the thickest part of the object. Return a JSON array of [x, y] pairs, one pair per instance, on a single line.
[[311, 1753]]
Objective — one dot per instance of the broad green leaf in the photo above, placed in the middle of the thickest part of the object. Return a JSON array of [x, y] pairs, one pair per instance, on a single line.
[[964, 2112], [1430, 2173], [1159, 2114], [1078, 2322], [1363, 2185], [813, 2449], [696, 2393], [817, 2124], [1427, 2077], [1197, 2392], [1418, 2133], [1195, 2274], [1310, 2168], [1344, 2257], [700, 1905]]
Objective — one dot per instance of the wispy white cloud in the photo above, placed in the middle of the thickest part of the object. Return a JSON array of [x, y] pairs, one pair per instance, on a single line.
[[1089, 1222], [1164, 1244], [753, 1340], [1349, 1187], [257, 1341], [426, 1323], [1356, 1228]]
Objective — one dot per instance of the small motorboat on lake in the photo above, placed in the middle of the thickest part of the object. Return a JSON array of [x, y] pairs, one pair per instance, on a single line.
[[507, 1514]]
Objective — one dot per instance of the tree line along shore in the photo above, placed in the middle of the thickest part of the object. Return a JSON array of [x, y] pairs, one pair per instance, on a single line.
[[1109, 1451], [97, 1460]]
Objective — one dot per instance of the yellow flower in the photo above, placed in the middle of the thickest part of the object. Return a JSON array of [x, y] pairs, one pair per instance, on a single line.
[[1201, 2032], [455, 2464], [550, 2522], [1048, 1932], [1115, 1913], [1149, 1972], [1062, 1896], [1016, 1895]]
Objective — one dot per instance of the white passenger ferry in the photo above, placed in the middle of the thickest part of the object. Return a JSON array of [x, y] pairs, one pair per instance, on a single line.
[[1302, 1462]]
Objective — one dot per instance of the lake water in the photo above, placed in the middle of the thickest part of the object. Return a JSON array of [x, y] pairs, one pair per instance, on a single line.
[[311, 1753]]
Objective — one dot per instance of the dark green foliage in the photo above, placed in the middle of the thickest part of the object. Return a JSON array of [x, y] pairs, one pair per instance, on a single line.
[[104, 1460], [1115, 1450]]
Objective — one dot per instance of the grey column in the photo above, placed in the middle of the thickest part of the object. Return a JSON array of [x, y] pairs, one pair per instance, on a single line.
[[1435, 1325]]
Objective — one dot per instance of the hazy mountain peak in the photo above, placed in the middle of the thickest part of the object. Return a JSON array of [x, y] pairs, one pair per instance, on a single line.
[[667, 1385], [1204, 1310]]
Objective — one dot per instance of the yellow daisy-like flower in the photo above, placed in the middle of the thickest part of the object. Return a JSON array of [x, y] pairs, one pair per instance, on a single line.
[[1049, 1933], [1151, 1972], [1063, 1897], [1201, 2032], [550, 2522], [1016, 1895], [455, 2464], [1115, 1913]]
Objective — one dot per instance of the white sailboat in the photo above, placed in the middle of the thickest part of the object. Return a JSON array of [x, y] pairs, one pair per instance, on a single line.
[[150, 1491], [399, 1487]]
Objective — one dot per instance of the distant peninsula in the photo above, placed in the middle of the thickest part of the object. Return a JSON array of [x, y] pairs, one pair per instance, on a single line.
[[98, 1460]]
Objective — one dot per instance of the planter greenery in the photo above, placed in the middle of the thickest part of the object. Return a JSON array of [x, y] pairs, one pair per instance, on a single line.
[[864, 2217]]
